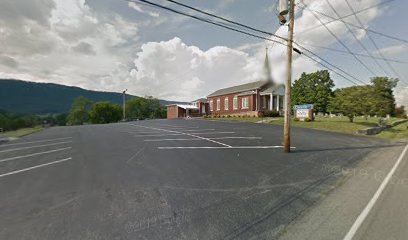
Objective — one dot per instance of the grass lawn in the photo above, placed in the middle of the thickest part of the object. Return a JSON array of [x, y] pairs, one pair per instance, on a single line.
[[21, 132], [398, 132], [337, 124]]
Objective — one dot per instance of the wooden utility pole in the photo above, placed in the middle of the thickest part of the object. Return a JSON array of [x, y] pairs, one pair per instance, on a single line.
[[288, 87]]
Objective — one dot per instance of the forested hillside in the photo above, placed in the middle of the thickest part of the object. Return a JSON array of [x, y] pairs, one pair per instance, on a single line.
[[29, 97]]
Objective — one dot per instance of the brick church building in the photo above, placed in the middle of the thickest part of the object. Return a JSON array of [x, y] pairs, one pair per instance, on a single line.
[[246, 99]]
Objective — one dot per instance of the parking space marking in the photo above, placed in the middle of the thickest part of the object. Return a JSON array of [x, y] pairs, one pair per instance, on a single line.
[[23, 148], [209, 133], [34, 154], [231, 147], [199, 130], [188, 134], [236, 138], [34, 167], [178, 134], [160, 135], [46, 140], [194, 139], [173, 139]]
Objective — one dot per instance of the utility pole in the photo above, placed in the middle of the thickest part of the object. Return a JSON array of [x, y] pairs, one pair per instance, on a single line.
[[288, 87], [124, 105]]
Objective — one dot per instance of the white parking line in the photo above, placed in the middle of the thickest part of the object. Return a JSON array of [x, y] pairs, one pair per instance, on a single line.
[[236, 138], [232, 147], [22, 148], [209, 133], [160, 135], [46, 140], [199, 130], [173, 139], [34, 154], [178, 134], [360, 219], [188, 134], [34, 167], [194, 139]]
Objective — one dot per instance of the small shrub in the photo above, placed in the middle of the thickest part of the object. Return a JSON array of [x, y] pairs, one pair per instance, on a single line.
[[239, 116], [254, 116], [205, 116], [271, 114], [296, 119], [223, 116], [228, 116], [308, 119]]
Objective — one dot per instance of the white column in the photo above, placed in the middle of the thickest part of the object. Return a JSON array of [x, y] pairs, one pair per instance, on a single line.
[[271, 102], [277, 103]]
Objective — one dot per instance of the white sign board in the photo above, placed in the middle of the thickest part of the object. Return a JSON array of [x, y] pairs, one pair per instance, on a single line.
[[302, 113]]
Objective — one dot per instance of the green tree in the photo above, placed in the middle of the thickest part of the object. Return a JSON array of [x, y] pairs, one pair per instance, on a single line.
[[79, 113], [105, 112], [351, 101], [142, 108], [384, 100], [313, 88]]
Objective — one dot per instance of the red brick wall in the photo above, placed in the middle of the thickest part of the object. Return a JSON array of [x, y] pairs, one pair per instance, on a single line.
[[172, 112], [231, 110], [175, 112]]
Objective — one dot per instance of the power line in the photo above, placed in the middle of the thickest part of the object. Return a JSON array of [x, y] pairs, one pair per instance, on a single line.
[[256, 36], [355, 37], [354, 25], [372, 41], [227, 20], [341, 42], [358, 54]]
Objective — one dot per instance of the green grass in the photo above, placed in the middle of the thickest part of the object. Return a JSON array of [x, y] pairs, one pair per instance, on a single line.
[[398, 132], [337, 124], [21, 132]]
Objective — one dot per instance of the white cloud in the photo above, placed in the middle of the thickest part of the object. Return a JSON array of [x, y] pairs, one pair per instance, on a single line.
[[401, 97], [68, 42], [394, 50], [173, 70]]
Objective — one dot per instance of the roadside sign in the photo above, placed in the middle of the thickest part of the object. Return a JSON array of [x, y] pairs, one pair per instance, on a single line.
[[303, 112], [304, 106]]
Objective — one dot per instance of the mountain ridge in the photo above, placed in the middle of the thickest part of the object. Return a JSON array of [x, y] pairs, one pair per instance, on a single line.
[[21, 96]]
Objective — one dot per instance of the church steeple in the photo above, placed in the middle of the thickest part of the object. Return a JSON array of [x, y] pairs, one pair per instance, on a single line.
[[267, 68]]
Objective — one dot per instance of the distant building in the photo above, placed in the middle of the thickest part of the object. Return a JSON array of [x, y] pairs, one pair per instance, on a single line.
[[250, 99]]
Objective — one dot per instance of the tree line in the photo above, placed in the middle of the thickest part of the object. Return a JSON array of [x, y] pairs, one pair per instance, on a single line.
[[13, 121], [375, 98], [84, 111]]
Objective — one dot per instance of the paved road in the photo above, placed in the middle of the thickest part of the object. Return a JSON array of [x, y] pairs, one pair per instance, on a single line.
[[167, 179]]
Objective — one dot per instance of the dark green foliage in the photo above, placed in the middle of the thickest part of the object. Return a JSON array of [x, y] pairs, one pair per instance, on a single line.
[[12, 121], [105, 112], [79, 113], [43, 98], [270, 113], [400, 111], [313, 88], [142, 108], [375, 99]]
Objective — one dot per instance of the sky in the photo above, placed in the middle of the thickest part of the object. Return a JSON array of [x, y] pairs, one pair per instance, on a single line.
[[112, 45]]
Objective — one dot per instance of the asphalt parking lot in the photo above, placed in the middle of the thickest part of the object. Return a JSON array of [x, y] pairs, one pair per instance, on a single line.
[[167, 179]]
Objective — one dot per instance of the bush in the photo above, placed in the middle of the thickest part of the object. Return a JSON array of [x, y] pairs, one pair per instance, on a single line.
[[254, 116], [308, 119], [270, 114], [239, 116], [223, 116], [205, 116], [296, 119], [228, 116]]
